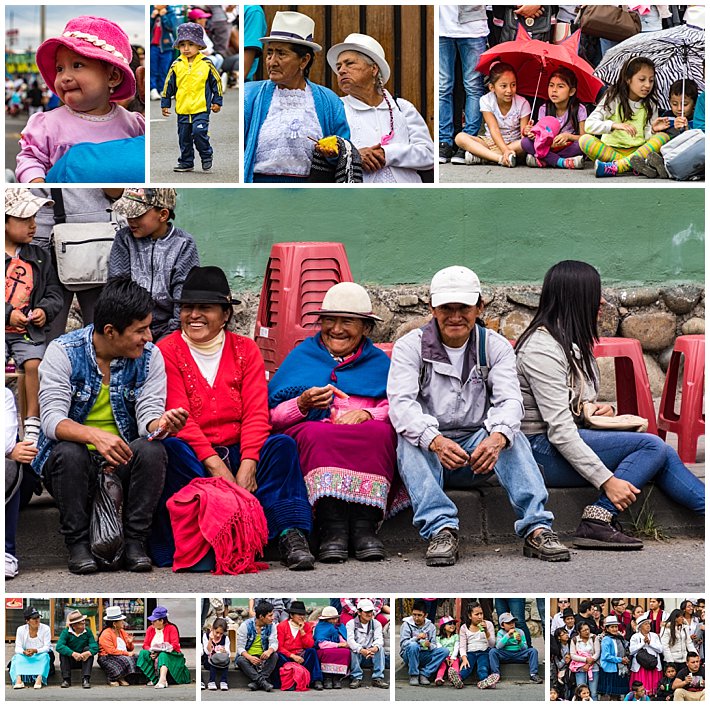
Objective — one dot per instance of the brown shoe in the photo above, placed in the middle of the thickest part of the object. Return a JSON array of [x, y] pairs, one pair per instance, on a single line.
[[546, 546], [443, 549], [599, 529]]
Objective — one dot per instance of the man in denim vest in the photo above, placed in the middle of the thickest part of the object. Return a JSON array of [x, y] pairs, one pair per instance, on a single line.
[[102, 404], [257, 646]]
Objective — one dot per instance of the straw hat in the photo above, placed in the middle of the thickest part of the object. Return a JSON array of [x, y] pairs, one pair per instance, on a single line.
[[347, 299]]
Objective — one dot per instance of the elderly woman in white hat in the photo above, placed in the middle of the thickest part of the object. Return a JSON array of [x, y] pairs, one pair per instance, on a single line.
[[117, 656], [330, 396], [330, 638], [391, 136], [286, 114]]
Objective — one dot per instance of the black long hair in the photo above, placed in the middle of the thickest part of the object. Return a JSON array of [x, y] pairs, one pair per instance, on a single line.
[[568, 76], [569, 305], [302, 50], [620, 90], [670, 624]]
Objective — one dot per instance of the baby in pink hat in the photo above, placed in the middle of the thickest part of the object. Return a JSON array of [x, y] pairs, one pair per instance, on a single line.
[[88, 67]]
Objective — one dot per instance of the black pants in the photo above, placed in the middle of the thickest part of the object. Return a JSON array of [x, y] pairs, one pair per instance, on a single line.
[[260, 673], [70, 476], [66, 664]]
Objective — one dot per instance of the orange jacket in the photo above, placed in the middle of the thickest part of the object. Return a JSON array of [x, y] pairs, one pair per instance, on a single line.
[[108, 642]]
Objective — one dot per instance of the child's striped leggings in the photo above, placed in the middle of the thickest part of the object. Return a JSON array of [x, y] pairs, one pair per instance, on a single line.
[[594, 148]]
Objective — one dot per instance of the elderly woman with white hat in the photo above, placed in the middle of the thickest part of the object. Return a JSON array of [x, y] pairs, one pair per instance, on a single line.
[[330, 637], [330, 396], [390, 134], [117, 656], [285, 115], [645, 647]]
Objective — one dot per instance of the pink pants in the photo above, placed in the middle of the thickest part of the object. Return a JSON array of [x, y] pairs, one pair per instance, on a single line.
[[441, 674]]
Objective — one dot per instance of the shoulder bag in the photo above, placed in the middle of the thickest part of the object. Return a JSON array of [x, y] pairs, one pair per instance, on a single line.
[[609, 22]]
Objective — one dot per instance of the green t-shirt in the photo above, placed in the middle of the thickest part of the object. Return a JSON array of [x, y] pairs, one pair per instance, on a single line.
[[101, 415], [256, 648], [621, 139]]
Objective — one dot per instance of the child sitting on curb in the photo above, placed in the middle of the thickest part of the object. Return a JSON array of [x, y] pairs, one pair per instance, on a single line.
[[511, 647]]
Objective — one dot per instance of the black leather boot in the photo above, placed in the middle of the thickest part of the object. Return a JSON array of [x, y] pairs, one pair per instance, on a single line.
[[136, 558], [363, 533], [332, 519], [294, 550], [81, 560]]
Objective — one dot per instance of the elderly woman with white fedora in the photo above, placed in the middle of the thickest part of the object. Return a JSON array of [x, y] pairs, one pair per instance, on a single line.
[[117, 655], [285, 115], [390, 134], [330, 396]]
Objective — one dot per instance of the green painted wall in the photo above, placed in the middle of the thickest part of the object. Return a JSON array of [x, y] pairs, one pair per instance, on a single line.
[[400, 236]]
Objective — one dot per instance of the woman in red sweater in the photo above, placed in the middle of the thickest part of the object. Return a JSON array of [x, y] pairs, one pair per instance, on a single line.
[[219, 377], [161, 657], [296, 643]]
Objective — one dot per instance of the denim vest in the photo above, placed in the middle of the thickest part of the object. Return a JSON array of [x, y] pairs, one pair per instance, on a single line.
[[127, 377], [251, 635]]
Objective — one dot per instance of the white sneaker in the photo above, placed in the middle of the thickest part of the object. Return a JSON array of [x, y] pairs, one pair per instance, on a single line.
[[154, 95], [225, 81], [224, 686], [531, 160], [211, 686], [11, 566], [32, 427], [472, 159]]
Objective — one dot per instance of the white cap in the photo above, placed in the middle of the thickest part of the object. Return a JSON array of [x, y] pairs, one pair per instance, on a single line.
[[365, 605], [455, 285]]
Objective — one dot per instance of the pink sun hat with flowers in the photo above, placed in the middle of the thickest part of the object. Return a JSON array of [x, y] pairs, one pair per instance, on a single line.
[[94, 38]]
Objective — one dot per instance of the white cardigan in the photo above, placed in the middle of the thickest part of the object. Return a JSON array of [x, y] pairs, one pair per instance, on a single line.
[[411, 147], [683, 644], [654, 646], [41, 643]]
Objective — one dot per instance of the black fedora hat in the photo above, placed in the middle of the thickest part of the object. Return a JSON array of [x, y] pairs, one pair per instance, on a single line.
[[206, 285], [296, 608]]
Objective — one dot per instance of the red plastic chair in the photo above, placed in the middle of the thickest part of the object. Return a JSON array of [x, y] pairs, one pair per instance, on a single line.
[[689, 425], [297, 277], [386, 347], [633, 390]]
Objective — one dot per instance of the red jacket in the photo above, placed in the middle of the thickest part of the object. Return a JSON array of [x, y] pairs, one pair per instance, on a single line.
[[234, 411], [288, 644], [170, 634]]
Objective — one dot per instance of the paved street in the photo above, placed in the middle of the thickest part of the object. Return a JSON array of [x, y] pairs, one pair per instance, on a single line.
[[494, 174], [164, 150], [13, 127]]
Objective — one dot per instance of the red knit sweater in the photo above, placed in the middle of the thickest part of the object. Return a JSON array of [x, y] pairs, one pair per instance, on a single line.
[[170, 634], [234, 410], [288, 644]]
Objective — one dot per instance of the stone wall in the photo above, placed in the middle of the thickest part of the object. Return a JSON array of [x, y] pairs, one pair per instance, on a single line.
[[653, 315]]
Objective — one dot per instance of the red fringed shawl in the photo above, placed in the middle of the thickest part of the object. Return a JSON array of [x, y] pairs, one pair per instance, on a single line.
[[230, 520]]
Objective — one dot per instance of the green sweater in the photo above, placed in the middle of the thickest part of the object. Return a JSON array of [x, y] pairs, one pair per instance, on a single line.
[[69, 643]]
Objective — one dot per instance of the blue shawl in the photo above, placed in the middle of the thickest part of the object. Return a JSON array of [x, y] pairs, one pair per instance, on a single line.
[[310, 365], [327, 631]]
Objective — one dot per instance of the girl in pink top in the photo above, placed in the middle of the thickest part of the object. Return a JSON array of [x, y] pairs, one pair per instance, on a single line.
[[88, 68]]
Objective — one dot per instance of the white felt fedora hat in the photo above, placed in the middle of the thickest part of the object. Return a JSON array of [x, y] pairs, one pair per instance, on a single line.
[[365, 45], [347, 299], [293, 28]]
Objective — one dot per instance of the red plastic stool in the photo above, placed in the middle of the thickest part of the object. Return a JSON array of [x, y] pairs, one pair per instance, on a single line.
[[633, 391], [690, 423], [297, 277], [386, 347]]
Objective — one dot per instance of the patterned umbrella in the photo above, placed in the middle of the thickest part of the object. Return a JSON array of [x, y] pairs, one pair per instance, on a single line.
[[678, 53]]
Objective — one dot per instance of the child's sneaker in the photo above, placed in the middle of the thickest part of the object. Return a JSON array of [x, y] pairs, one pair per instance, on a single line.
[[32, 427], [206, 165], [532, 161], [489, 682], [640, 166], [605, 169], [535, 679], [459, 157], [183, 168], [655, 161], [438, 682], [212, 686], [225, 687], [454, 678], [472, 159], [154, 94], [510, 162], [574, 162]]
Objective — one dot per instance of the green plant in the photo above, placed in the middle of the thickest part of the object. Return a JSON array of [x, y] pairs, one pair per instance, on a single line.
[[644, 522]]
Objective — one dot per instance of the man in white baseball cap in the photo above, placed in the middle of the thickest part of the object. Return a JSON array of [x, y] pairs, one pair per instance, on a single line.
[[455, 403], [367, 645]]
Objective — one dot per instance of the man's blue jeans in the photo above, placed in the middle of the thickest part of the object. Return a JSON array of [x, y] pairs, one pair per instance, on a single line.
[[636, 458], [358, 661], [527, 656], [423, 662], [470, 50], [425, 479], [516, 606], [478, 662]]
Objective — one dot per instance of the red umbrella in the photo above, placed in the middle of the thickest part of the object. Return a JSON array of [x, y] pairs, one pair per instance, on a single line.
[[534, 61]]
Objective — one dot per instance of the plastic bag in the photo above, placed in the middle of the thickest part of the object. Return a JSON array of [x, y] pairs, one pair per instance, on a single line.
[[106, 529]]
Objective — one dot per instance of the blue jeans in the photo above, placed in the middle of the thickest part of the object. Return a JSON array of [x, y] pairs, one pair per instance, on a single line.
[[425, 478], [159, 66], [477, 661], [636, 458], [422, 662], [194, 130], [529, 655], [582, 678], [358, 661], [541, 609], [470, 50], [516, 606]]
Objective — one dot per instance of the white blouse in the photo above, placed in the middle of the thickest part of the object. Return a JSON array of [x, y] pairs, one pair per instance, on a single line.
[[411, 147], [41, 643], [283, 146]]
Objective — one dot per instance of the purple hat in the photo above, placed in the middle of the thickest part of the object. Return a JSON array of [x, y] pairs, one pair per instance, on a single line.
[[159, 613], [190, 32], [94, 38]]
